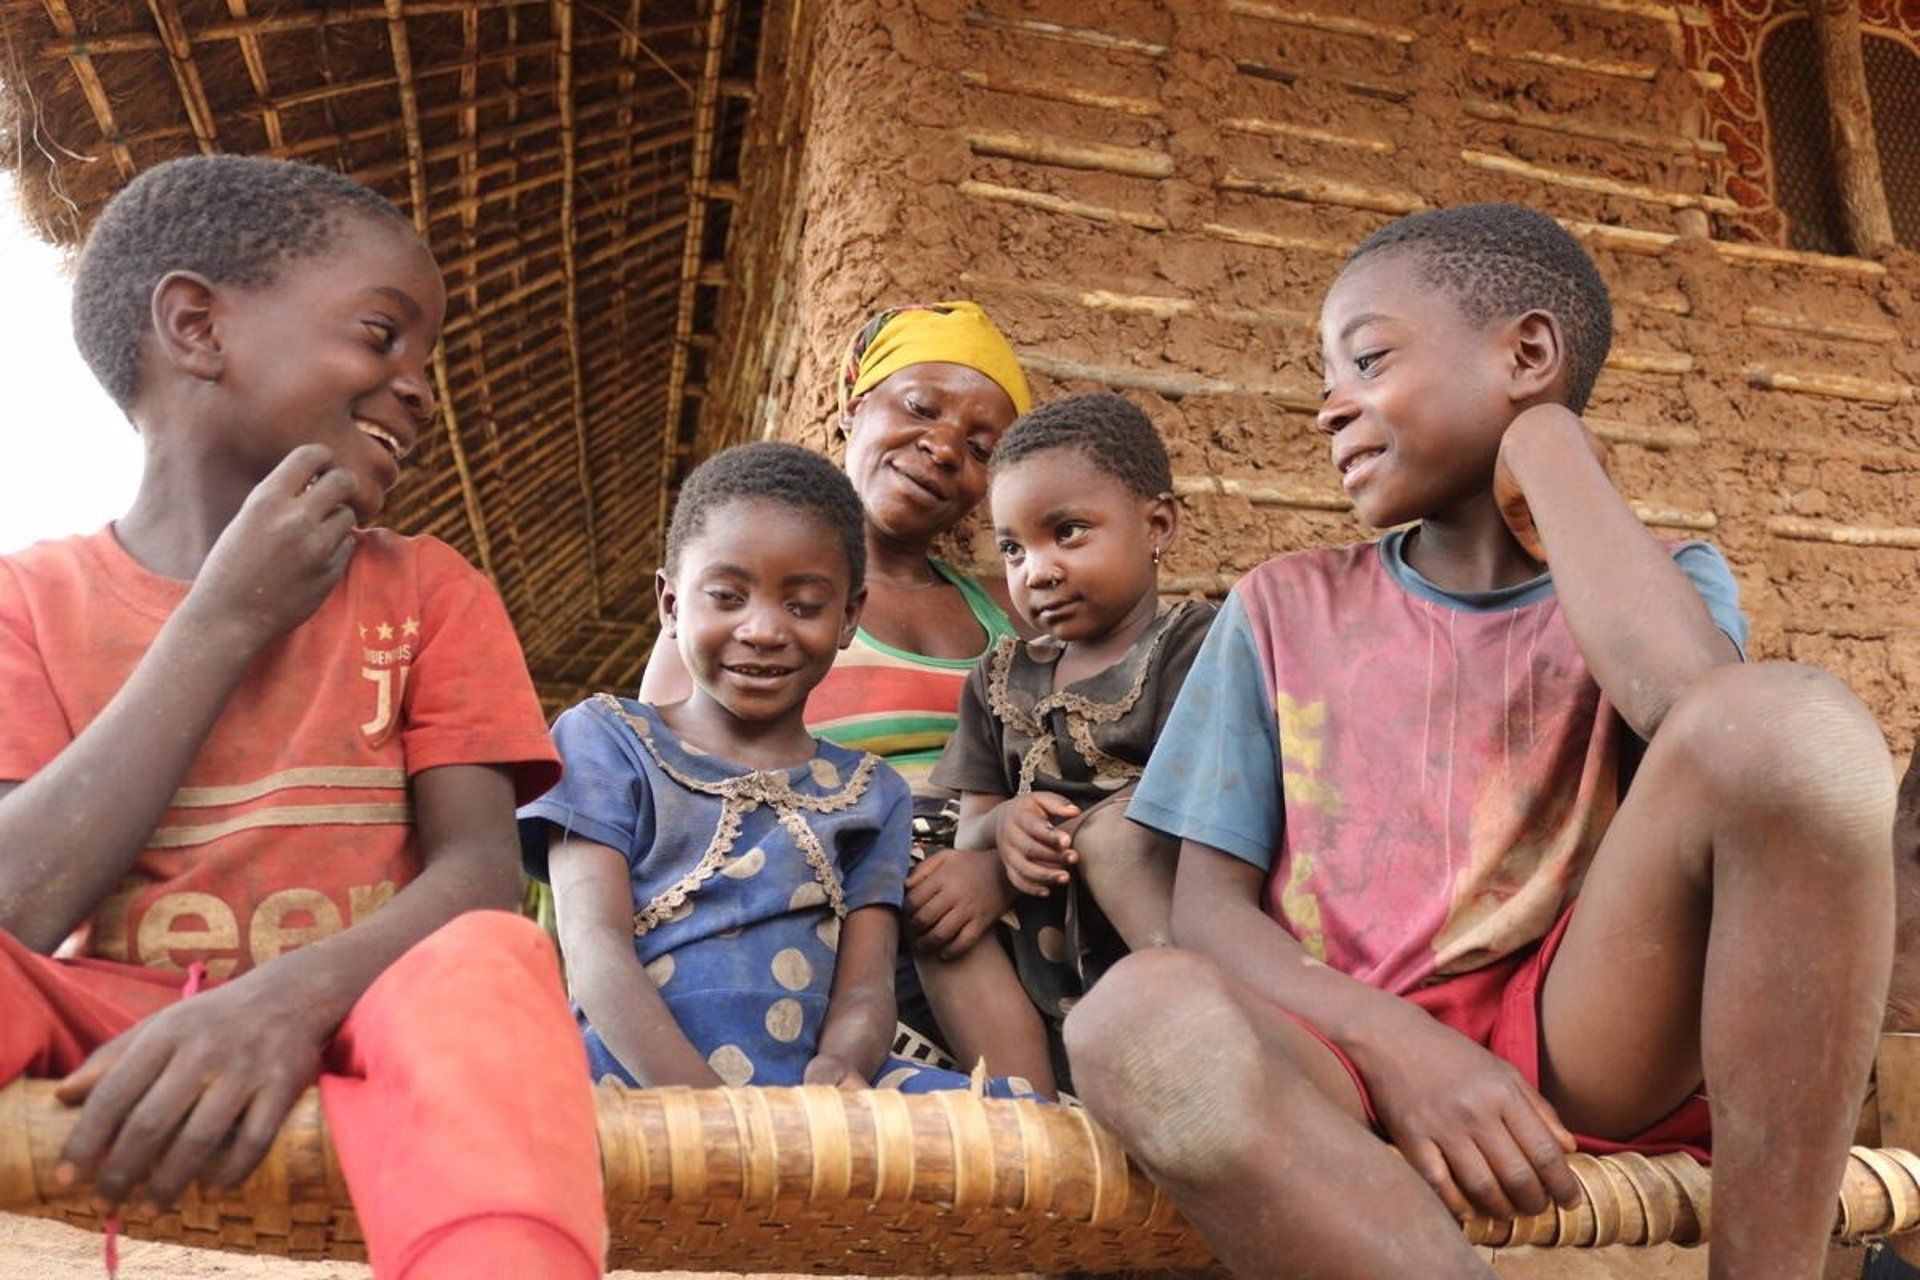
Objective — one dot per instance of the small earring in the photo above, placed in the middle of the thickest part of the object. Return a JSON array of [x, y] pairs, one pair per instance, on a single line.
[[1156, 555]]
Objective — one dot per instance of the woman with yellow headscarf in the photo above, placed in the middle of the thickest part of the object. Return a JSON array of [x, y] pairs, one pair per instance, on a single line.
[[925, 394]]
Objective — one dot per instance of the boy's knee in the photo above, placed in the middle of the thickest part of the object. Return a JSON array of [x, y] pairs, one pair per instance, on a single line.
[[487, 942], [1163, 1055], [1786, 741]]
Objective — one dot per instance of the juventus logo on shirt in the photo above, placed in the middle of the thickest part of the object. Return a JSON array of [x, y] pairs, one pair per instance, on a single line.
[[386, 668]]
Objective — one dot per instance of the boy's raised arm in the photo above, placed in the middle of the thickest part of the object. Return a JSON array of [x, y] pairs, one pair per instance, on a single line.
[[1639, 622], [69, 833]]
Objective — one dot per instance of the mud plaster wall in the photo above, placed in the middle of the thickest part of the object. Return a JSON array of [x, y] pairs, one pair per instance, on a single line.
[[1154, 197]]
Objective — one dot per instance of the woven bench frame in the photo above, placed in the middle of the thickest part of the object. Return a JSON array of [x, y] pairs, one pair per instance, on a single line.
[[872, 1183]]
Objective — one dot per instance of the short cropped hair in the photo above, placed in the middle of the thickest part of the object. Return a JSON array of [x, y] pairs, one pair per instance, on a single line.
[[233, 219], [1110, 431], [1504, 260], [772, 471]]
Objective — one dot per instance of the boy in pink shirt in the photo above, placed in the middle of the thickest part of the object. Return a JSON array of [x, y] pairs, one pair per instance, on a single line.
[[1397, 769]]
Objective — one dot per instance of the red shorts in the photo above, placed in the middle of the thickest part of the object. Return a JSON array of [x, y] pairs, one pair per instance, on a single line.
[[1498, 1008]]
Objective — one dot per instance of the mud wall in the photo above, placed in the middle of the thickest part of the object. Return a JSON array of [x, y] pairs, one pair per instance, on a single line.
[[1153, 198]]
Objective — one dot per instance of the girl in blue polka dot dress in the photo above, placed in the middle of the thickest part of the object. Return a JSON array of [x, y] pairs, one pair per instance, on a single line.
[[727, 886]]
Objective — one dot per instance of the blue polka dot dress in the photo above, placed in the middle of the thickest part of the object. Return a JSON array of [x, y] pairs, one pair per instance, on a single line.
[[740, 881]]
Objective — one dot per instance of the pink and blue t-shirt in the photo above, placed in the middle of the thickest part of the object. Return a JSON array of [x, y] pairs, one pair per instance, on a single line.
[[1423, 774]]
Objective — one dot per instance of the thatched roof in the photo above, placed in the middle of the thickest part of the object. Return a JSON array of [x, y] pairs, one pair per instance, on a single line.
[[572, 164]]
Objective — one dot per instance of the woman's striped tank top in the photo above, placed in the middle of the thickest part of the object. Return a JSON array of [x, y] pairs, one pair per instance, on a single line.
[[901, 706]]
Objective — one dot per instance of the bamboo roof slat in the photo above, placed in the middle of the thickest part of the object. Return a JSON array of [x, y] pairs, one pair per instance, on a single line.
[[705, 100], [569, 159], [78, 55], [257, 77]]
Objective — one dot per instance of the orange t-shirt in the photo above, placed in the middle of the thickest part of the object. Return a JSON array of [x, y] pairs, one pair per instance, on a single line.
[[294, 821]]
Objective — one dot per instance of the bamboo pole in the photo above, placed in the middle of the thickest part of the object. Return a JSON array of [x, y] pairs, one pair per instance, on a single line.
[[422, 218], [186, 72], [705, 108], [1863, 193], [569, 187]]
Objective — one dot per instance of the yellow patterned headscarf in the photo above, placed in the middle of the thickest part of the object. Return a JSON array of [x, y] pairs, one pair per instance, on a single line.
[[940, 332]]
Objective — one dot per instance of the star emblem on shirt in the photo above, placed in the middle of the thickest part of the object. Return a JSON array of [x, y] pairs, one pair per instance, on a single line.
[[384, 631], [411, 627]]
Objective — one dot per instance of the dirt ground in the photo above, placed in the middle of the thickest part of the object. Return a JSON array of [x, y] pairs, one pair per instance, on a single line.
[[34, 1250]]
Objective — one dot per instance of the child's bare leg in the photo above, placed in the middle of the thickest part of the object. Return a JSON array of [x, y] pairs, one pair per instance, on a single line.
[[1128, 869], [1253, 1127], [1737, 924], [985, 1013]]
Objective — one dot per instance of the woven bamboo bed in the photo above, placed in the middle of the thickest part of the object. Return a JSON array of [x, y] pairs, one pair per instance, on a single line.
[[874, 1183]]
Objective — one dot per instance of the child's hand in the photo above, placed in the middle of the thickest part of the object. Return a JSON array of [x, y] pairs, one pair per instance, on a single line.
[[197, 1091], [1035, 853], [285, 550], [829, 1069], [1507, 497], [954, 897], [1468, 1123]]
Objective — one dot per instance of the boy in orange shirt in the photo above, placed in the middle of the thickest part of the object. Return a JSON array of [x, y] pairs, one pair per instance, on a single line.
[[254, 745]]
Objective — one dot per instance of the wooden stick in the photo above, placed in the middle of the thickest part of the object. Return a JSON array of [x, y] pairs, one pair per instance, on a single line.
[[1336, 24], [1674, 518], [1171, 386], [1527, 117], [1073, 35], [1307, 133], [1662, 362], [1268, 240], [1654, 243], [1838, 330], [1613, 431], [1158, 306], [1856, 157], [1287, 73], [1498, 163], [1317, 190], [1051, 92], [1261, 495], [1836, 385], [1135, 162], [1846, 535], [1060, 204]]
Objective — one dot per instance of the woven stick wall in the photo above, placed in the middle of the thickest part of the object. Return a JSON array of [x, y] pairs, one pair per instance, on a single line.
[[569, 160], [872, 1183]]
